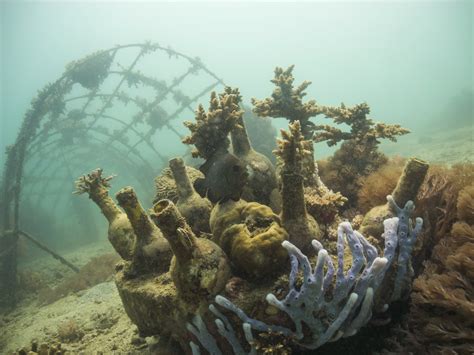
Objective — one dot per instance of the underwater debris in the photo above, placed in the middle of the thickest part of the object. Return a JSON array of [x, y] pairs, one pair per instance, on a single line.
[[194, 208], [199, 267], [318, 318], [120, 232], [151, 252], [300, 226], [358, 155]]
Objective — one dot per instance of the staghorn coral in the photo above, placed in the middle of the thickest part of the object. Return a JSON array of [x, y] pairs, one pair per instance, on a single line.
[[358, 156], [251, 235], [193, 207], [120, 232], [287, 101], [300, 226], [151, 252], [199, 268], [165, 185]]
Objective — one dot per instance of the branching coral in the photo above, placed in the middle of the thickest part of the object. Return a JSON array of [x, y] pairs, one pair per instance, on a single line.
[[209, 132], [287, 101], [358, 155]]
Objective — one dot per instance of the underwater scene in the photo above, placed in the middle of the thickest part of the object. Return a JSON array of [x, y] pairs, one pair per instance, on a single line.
[[237, 177]]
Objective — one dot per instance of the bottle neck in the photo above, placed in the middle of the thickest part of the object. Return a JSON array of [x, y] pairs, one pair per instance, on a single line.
[[137, 216], [183, 184], [106, 204], [293, 204], [240, 140]]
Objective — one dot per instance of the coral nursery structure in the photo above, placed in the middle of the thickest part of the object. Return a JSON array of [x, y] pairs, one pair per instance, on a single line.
[[238, 255]]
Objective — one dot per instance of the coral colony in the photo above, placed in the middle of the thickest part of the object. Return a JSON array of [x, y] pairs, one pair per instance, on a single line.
[[235, 256]]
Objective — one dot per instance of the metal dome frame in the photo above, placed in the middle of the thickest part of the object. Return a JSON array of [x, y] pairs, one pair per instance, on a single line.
[[45, 126]]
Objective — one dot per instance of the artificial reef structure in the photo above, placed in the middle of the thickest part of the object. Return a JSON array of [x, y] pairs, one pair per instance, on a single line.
[[241, 256]]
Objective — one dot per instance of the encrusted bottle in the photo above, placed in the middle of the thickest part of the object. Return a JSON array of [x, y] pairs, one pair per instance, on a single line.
[[120, 231], [199, 267], [151, 251], [194, 208], [262, 179], [406, 190]]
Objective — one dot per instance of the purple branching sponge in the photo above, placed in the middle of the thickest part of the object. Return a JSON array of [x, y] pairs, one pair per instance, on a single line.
[[329, 310], [407, 235]]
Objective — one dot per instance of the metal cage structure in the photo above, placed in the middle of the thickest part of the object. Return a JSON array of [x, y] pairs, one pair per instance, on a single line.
[[121, 107]]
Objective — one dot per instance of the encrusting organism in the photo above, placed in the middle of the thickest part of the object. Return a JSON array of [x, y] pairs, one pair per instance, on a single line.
[[225, 174], [120, 232], [358, 155], [318, 318], [151, 251], [194, 208], [251, 235]]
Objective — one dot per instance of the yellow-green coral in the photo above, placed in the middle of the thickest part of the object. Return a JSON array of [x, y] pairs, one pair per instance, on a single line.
[[251, 235]]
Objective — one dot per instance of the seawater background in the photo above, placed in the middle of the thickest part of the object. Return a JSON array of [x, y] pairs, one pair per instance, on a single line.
[[411, 61]]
